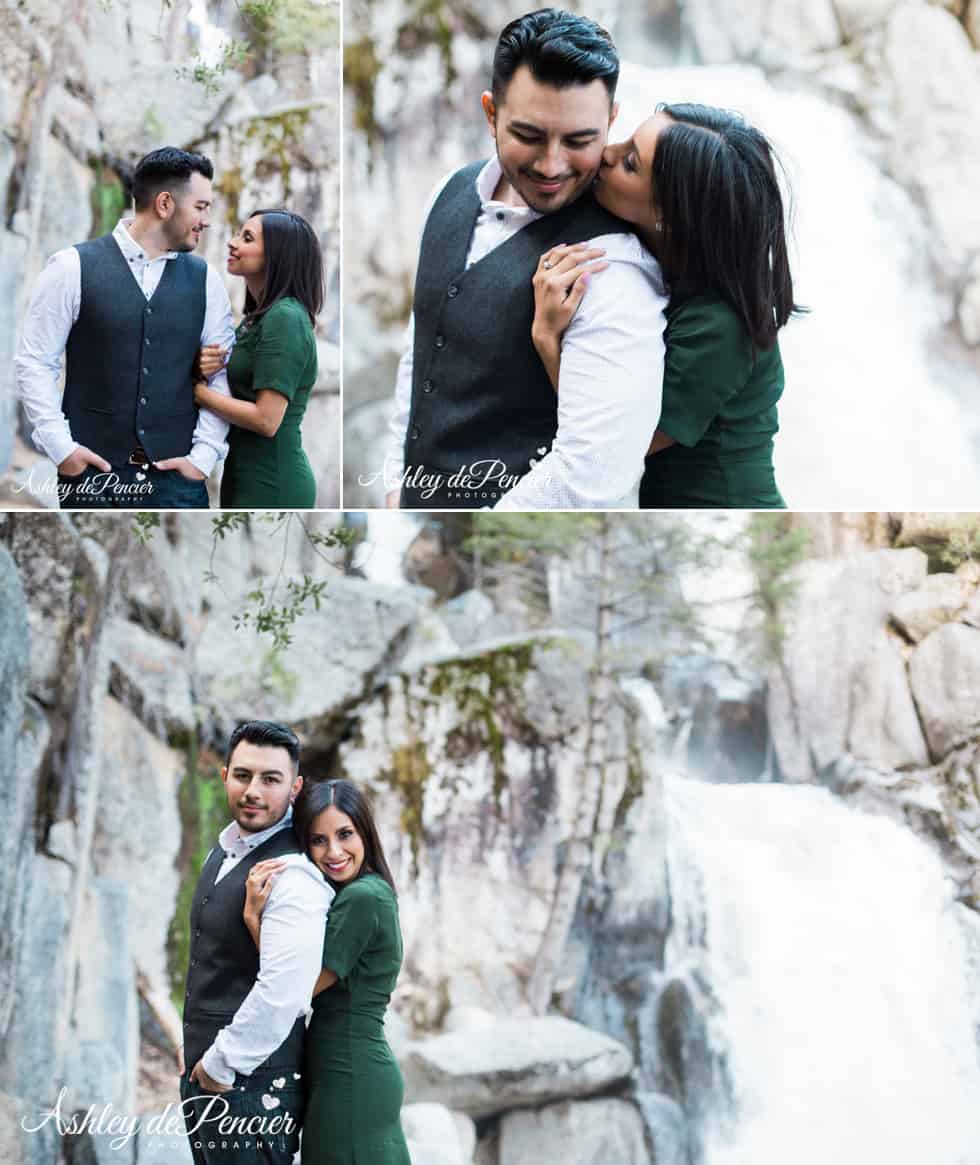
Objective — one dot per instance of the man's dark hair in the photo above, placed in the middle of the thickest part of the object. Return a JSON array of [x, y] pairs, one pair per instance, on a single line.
[[267, 734], [293, 264], [560, 48], [724, 230], [166, 169]]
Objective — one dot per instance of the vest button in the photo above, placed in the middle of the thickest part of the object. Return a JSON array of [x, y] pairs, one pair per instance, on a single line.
[[428, 386], [415, 433], [147, 343], [440, 341], [453, 291], [149, 311], [146, 371], [142, 433], [203, 900], [142, 400]]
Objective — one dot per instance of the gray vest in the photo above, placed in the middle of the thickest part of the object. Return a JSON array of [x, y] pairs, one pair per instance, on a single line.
[[129, 360], [224, 961], [480, 394]]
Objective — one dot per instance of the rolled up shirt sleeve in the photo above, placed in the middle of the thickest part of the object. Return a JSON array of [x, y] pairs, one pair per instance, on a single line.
[[209, 443], [290, 954], [609, 393], [52, 312]]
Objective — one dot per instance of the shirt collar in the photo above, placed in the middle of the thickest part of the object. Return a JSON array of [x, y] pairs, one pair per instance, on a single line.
[[132, 251], [486, 184], [237, 844]]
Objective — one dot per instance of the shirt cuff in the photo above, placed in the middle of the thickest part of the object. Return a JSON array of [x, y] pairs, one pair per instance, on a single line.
[[217, 1066], [56, 446], [204, 458]]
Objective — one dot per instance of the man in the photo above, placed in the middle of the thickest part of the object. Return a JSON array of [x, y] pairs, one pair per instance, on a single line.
[[475, 410], [244, 1007], [130, 311]]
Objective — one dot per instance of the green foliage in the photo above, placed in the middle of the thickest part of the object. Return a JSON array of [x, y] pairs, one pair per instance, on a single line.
[[361, 68], [271, 608], [774, 547], [962, 544], [234, 54], [108, 201], [144, 524], [203, 809], [291, 26]]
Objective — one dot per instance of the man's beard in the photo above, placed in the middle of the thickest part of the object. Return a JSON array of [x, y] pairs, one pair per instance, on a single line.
[[247, 825], [182, 243], [523, 184]]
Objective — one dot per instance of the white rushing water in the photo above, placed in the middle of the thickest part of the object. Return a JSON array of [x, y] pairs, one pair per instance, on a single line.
[[832, 946], [880, 408]]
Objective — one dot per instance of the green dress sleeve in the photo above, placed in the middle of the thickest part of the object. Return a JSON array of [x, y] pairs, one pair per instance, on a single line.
[[282, 350], [708, 360], [351, 925]]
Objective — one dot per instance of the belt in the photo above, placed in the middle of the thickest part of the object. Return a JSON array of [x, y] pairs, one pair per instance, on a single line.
[[138, 457]]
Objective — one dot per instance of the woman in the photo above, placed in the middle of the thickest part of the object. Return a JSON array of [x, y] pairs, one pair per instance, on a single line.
[[273, 365], [354, 1086], [700, 188]]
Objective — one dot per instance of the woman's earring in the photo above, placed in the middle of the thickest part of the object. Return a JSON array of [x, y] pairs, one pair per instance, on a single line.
[[658, 225]]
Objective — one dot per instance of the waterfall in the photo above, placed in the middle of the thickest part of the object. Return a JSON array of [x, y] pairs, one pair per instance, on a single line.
[[880, 403], [830, 945]]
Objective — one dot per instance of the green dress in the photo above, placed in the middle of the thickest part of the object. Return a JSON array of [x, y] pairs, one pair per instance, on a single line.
[[355, 1087], [278, 352], [720, 408]]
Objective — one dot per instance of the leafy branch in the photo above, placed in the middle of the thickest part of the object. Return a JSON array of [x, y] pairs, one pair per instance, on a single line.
[[270, 609]]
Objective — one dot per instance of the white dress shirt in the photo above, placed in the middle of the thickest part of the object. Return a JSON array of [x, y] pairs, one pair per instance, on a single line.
[[610, 381], [53, 310], [290, 957]]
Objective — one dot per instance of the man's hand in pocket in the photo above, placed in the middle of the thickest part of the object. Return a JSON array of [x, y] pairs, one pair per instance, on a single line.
[[184, 466]]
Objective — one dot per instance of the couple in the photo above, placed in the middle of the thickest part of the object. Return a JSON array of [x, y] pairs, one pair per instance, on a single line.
[[587, 315], [145, 328], [295, 902]]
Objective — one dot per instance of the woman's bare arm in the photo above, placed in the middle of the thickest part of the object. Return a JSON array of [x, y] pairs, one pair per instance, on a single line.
[[263, 417]]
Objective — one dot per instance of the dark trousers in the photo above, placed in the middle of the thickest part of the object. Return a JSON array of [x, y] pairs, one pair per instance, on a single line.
[[131, 487], [228, 1133]]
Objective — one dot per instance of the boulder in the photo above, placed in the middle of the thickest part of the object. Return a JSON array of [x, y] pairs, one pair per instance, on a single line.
[[518, 1064], [438, 1136], [841, 686], [940, 599], [576, 1132], [944, 672]]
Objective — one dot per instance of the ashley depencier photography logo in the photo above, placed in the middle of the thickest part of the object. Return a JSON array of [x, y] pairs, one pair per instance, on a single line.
[[203, 1118], [92, 486], [489, 478]]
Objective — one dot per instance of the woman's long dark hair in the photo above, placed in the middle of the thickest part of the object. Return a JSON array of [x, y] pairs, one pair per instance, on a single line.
[[715, 185], [316, 796], [293, 264]]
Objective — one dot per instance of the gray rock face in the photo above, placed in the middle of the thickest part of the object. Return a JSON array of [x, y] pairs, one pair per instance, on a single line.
[[520, 1063], [331, 662], [867, 710], [579, 1132], [945, 675], [475, 767], [15, 840], [149, 676]]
